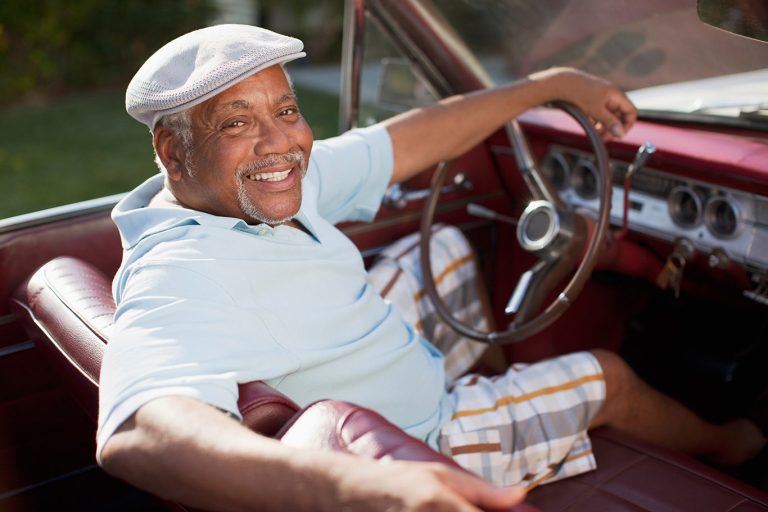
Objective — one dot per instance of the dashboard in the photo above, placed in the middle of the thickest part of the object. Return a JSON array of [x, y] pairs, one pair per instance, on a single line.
[[723, 223]]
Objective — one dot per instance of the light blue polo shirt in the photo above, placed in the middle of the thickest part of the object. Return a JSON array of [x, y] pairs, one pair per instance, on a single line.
[[207, 302]]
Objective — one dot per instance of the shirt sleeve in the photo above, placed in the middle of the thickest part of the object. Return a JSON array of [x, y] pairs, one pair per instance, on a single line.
[[351, 173], [178, 333]]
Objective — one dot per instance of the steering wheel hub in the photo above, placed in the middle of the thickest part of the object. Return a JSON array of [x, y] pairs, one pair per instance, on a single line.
[[538, 227]]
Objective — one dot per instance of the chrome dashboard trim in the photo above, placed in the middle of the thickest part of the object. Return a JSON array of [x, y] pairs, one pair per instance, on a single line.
[[351, 63], [748, 247]]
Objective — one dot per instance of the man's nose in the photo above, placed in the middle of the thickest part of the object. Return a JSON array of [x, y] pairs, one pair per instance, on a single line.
[[273, 138]]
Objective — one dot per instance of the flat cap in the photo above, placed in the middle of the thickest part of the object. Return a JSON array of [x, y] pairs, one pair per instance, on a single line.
[[199, 65]]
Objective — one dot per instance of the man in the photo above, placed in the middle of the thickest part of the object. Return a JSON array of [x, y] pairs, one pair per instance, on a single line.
[[234, 272]]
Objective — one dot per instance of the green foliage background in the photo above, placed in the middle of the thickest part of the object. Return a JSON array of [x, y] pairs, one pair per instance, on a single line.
[[86, 146], [54, 46], [64, 65]]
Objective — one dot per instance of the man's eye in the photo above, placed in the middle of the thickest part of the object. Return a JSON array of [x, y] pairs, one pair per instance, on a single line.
[[289, 111], [234, 124]]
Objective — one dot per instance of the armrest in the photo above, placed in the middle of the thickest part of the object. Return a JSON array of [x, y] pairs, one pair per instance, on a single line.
[[264, 409], [340, 426]]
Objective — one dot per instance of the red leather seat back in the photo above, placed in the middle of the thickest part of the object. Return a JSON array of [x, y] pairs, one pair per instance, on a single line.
[[264, 409], [67, 308]]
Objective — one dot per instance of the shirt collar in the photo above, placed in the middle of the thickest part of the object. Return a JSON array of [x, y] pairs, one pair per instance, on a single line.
[[136, 220]]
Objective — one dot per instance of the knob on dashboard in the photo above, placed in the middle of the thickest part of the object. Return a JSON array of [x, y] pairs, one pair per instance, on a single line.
[[718, 258]]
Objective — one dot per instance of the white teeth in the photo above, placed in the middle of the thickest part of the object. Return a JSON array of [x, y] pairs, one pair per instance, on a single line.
[[269, 176]]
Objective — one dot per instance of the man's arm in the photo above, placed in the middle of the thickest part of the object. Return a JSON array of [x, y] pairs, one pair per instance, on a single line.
[[425, 136], [185, 450]]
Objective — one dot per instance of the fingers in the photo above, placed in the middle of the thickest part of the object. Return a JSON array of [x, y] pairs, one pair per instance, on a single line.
[[618, 114], [387, 485], [480, 492], [612, 111], [623, 109]]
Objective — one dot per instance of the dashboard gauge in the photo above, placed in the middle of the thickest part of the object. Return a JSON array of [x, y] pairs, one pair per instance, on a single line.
[[557, 169], [585, 180], [728, 224], [685, 207], [722, 217]]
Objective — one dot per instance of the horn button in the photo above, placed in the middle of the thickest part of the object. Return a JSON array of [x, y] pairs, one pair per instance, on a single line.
[[540, 226]]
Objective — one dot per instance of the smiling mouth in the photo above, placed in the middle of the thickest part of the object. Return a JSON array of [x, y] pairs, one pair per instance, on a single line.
[[269, 176]]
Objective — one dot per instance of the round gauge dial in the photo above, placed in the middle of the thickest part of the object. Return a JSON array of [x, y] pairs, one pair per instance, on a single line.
[[556, 168], [722, 217], [584, 179], [685, 207]]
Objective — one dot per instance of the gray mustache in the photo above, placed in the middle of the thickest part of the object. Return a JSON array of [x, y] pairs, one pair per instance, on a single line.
[[293, 157]]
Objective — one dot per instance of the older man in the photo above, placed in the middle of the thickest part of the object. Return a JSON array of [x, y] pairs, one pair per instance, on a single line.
[[233, 272]]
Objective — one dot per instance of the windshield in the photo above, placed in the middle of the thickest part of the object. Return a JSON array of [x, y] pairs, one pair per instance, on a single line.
[[658, 50]]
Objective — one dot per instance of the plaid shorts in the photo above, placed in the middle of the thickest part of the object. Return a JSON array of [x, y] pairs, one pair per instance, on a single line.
[[528, 426], [397, 277], [525, 427]]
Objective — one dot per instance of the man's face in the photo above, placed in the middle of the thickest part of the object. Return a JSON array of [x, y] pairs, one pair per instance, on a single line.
[[250, 152]]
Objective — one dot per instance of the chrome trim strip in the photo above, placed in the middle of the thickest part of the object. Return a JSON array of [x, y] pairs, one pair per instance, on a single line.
[[20, 490], [401, 41], [351, 63], [16, 348], [7, 319], [58, 213]]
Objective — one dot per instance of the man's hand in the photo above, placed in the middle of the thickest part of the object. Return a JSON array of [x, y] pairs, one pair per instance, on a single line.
[[415, 486], [606, 105]]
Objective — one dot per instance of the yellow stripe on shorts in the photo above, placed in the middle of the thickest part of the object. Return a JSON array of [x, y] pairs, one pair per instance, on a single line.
[[529, 396], [450, 268]]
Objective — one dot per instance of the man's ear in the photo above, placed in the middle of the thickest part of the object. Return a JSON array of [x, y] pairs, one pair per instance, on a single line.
[[170, 152]]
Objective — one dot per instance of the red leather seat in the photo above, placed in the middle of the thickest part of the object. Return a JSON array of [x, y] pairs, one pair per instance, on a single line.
[[635, 476], [67, 308]]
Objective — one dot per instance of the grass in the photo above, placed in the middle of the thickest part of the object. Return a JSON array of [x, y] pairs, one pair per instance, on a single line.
[[87, 146]]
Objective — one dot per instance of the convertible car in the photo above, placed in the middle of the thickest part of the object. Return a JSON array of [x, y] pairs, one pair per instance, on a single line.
[[654, 246]]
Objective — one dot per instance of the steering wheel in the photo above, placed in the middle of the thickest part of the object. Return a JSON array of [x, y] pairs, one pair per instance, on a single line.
[[548, 229]]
